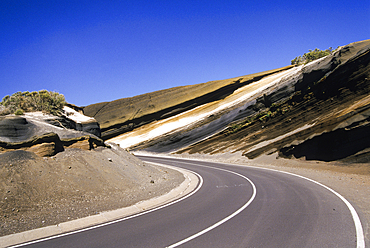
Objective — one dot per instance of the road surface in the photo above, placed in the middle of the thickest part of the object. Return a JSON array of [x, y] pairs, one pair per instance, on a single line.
[[234, 206]]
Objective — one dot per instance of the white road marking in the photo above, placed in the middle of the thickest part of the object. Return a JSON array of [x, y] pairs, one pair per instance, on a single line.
[[359, 230], [360, 238], [225, 219], [356, 219]]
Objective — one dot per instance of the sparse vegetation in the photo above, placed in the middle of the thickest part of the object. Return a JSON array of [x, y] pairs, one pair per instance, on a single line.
[[313, 90], [276, 109], [18, 112], [311, 56], [43, 100]]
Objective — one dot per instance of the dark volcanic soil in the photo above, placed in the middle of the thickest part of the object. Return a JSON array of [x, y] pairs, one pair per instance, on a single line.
[[37, 192]]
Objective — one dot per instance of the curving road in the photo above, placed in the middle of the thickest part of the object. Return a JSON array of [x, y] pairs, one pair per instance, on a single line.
[[234, 206]]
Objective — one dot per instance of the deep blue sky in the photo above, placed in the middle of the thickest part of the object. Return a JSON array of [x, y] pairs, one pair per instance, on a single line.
[[95, 51]]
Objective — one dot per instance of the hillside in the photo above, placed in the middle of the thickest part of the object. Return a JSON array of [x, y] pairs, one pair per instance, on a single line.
[[316, 111], [124, 115], [325, 118]]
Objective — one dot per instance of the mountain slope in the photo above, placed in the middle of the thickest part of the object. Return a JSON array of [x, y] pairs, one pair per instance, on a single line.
[[318, 111], [126, 114], [325, 118]]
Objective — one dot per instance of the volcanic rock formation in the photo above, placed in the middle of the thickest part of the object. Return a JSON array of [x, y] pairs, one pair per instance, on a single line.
[[46, 135]]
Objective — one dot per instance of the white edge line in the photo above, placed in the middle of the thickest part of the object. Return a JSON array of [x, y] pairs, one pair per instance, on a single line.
[[360, 239], [225, 219], [200, 184]]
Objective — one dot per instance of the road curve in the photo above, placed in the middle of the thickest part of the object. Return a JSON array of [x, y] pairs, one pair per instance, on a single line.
[[235, 207]]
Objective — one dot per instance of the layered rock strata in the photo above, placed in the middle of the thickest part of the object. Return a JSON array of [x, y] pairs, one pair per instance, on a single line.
[[124, 115], [46, 135], [321, 113]]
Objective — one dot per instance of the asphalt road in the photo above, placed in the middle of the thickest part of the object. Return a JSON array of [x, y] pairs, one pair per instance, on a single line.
[[234, 207]]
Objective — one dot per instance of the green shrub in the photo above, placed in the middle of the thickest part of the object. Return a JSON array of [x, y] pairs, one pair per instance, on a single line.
[[43, 100], [18, 112], [311, 56]]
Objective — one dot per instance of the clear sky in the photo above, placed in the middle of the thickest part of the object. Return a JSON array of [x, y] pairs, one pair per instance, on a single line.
[[94, 51]]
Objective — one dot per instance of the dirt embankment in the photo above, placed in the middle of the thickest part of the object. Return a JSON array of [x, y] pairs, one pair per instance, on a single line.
[[37, 192]]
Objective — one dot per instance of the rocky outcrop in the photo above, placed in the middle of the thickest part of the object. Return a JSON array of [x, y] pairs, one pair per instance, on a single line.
[[45, 145], [348, 141], [46, 135]]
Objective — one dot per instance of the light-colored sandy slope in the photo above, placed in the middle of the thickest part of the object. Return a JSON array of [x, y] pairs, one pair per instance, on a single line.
[[244, 94]]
